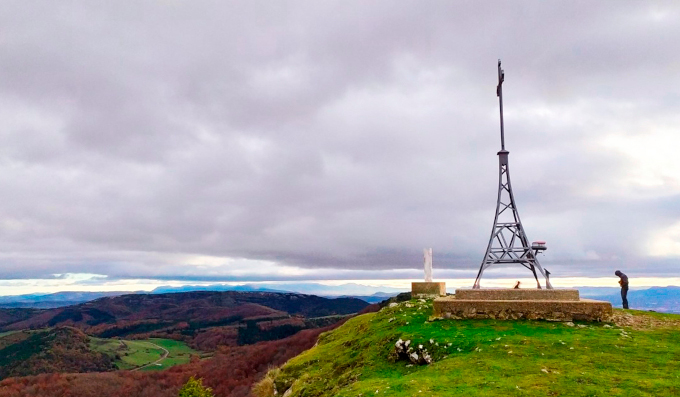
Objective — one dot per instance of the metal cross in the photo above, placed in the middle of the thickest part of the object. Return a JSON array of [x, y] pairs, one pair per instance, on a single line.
[[508, 243]]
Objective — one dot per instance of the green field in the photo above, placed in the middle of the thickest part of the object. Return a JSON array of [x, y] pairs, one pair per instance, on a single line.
[[180, 353], [486, 358], [131, 354]]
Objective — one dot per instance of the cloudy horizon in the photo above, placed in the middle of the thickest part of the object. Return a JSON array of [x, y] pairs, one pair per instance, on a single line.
[[165, 141]]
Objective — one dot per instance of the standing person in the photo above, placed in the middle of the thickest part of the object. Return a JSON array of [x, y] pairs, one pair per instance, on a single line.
[[623, 282]]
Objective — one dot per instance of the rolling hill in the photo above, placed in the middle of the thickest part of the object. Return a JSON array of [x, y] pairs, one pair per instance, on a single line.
[[181, 314], [203, 319], [62, 349], [14, 315]]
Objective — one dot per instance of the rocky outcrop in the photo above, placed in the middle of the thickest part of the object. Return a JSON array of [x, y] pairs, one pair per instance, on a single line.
[[405, 350]]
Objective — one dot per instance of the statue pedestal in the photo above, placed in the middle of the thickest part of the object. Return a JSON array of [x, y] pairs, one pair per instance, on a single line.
[[428, 289]]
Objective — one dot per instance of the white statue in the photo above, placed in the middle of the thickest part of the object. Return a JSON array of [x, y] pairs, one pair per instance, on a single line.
[[427, 254]]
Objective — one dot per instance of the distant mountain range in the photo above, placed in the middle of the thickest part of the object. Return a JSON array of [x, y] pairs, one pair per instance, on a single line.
[[662, 299], [68, 298], [50, 301], [349, 289]]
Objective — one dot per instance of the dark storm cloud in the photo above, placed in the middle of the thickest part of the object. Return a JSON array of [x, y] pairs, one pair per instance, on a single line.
[[135, 136]]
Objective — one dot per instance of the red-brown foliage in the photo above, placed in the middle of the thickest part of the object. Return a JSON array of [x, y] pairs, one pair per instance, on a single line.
[[209, 339], [61, 349], [372, 308], [12, 315], [294, 321], [209, 308], [230, 373]]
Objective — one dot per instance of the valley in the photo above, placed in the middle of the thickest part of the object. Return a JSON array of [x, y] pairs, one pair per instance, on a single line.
[[130, 340], [148, 354]]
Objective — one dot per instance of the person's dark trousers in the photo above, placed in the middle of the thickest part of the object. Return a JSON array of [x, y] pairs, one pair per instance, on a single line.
[[624, 295]]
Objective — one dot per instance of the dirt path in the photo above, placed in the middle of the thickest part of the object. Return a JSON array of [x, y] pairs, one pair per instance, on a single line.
[[165, 355]]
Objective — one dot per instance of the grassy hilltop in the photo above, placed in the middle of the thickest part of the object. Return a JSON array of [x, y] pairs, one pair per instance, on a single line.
[[638, 355]]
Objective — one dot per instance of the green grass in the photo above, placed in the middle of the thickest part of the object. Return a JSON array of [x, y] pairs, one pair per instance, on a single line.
[[485, 358], [130, 354], [180, 353]]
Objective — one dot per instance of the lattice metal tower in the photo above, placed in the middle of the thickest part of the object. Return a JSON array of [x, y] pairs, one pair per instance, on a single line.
[[508, 242]]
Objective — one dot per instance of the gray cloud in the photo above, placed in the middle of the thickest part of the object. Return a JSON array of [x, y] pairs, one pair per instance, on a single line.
[[331, 135]]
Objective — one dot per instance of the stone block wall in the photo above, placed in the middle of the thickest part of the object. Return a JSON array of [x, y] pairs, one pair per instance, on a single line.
[[582, 310], [428, 289]]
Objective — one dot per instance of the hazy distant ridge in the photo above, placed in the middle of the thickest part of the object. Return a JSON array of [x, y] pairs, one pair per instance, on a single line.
[[662, 299]]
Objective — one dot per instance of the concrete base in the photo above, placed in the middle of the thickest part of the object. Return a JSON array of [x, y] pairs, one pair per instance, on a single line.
[[518, 294], [428, 289], [538, 306]]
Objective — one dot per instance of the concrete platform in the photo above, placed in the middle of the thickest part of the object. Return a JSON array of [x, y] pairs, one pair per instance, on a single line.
[[428, 289], [513, 308], [518, 294]]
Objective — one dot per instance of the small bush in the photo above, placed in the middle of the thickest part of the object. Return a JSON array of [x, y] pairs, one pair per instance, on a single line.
[[266, 387], [194, 388]]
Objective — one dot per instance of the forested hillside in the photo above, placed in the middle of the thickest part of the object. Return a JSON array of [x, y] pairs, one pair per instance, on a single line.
[[14, 315], [204, 319], [230, 373], [61, 349], [194, 307]]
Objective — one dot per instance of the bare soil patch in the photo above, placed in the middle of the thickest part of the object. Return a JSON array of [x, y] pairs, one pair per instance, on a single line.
[[642, 322]]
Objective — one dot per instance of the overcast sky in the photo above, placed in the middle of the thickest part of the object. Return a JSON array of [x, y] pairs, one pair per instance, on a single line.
[[241, 141]]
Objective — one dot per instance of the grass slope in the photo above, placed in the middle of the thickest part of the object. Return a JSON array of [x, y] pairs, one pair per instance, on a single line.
[[130, 354], [486, 358]]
